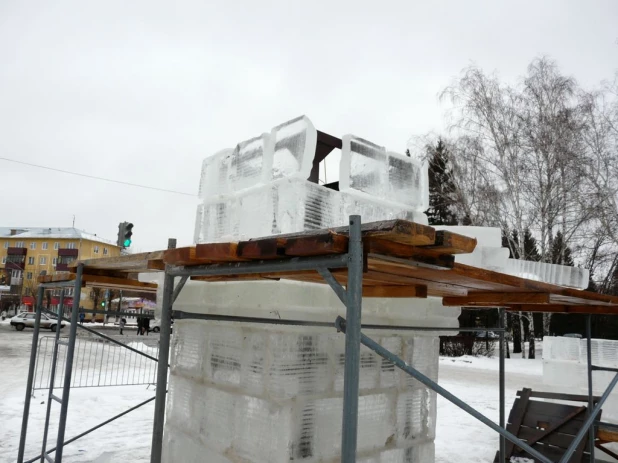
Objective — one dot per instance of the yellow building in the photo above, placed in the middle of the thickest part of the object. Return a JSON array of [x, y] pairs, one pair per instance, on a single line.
[[26, 253]]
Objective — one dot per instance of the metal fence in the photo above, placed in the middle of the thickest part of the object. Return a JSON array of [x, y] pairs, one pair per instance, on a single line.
[[98, 362]]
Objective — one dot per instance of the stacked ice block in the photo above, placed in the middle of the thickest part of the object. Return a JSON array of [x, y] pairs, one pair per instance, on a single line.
[[245, 393], [490, 254], [260, 188]]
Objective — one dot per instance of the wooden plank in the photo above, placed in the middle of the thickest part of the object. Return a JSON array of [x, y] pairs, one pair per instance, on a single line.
[[157, 265], [453, 243], [557, 439], [132, 262], [400, 231], [556, 425], [217, 278], [395, 291], [55, 278], [516, 418], [322, 244], [560, 396], [607, 435], [417, 253], [261, 249], [496, 299], [181, 256], [217, 252], [111, 282]]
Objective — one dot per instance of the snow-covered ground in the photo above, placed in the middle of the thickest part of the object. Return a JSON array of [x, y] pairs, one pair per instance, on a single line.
[[459, 438]]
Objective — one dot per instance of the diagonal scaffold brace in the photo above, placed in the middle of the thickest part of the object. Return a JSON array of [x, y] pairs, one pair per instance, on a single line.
[[341, 325]]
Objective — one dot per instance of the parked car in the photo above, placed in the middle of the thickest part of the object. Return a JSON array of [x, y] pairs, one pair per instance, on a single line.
[[155, 325], [26, 319], [488, 334]]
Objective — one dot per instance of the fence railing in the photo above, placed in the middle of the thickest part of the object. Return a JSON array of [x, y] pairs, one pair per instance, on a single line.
[[98, 362]]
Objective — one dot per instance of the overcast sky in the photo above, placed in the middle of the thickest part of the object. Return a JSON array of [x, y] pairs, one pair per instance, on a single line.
[[141, 91]]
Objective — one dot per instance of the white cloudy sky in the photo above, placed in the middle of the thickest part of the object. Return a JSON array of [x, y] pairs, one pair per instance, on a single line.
[[142, 90]]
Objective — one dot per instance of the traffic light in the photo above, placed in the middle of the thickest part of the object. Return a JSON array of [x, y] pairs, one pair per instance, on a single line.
[[103, 304], [124, 234]]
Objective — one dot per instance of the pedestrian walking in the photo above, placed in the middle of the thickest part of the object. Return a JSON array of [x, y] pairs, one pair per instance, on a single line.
[[82, 317], [122, 323], [140, 325], [3, 315], [147, 325]]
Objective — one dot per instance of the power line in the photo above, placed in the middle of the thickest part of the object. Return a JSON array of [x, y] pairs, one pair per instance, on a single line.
[[97, 178]]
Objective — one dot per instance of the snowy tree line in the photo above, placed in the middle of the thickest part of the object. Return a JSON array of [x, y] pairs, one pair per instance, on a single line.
[[538, 159]]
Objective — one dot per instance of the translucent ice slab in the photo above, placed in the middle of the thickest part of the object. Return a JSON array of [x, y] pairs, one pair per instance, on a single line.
[[370, 170], [294, 148]]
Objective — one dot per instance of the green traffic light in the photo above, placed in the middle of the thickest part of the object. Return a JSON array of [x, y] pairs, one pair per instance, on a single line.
[[127, 243], [102, 304]]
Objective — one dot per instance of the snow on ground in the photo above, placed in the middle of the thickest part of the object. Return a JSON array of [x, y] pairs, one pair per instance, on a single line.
[[459, 437]]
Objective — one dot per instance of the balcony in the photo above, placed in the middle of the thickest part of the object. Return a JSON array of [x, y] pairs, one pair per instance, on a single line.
[[15, 259], [68, 253]]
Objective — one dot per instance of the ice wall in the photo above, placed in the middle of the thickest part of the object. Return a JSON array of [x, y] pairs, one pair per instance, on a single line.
[[240, 392], [565, 368], [249, 393]]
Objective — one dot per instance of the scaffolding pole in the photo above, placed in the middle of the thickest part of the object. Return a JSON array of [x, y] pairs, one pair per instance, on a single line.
[[164, 351], [501, 381], [354, 295], [68, 369], [589, 369], [35, 341]]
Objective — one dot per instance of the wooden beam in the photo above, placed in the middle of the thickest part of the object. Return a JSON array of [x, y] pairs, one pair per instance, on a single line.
[[218, 252], [181, 256], [395, 291], [453, 243], [416, 253], [496, 299], [55, 278], [133, 262], [111, 282], [321, 244]]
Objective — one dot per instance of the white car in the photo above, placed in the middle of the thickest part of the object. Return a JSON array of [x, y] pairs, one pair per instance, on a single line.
[[26, 319]]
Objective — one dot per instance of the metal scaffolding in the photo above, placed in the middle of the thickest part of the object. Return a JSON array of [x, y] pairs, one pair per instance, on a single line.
[[351, 326]]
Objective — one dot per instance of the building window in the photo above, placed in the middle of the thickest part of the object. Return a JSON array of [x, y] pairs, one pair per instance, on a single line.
[[44, 246], [33, 245], [30, 260], [20, 244], [70, 245], [96, 249], [29, 276], [6, 244], [104, 251], [16, 273], [43, 260], [55, 261], [68, 292], [56, 246]]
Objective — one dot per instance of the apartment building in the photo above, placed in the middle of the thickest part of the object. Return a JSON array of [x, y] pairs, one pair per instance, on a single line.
[[26, 253]]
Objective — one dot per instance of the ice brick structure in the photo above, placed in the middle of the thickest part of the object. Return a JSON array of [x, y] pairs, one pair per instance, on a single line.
[[266, 393], [490, 254], [245, 393], [565, 368], [260, 188]]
